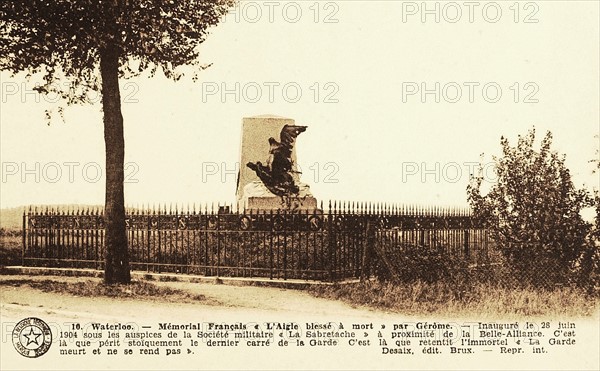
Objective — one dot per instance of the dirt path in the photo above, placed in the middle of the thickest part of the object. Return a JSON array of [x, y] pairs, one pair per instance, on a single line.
[[219, 298]]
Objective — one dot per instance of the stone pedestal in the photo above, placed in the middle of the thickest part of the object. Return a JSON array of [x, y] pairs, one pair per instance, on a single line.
[[257, 198], [294, 204]]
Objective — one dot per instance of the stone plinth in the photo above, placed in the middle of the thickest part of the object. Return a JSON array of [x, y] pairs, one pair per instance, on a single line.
[[266, 204], [256, 197]]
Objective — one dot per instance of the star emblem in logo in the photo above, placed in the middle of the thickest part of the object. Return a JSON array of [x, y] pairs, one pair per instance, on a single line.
[[32, 337]]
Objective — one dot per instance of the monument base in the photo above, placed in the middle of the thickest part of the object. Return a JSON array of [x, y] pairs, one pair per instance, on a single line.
[[288, 204], [257, 198]]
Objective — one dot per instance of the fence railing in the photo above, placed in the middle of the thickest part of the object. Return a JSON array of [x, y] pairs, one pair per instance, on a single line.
[[329, 244]]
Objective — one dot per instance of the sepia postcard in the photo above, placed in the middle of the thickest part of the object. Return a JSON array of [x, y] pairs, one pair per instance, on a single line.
[[309, 184]]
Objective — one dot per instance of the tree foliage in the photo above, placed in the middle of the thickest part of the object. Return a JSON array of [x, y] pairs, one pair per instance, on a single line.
[[80, 46], [63, 38], [533, 211]]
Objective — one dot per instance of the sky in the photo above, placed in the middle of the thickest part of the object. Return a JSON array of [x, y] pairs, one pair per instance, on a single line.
[[401, 100]]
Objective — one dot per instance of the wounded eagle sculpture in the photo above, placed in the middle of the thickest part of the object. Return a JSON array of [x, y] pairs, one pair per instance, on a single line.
[[276, 174]]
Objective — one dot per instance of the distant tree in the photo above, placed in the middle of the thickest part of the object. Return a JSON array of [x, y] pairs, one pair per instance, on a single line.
[[596, 161], [596, 233], [87, 45], [533, 211], [588, 268]]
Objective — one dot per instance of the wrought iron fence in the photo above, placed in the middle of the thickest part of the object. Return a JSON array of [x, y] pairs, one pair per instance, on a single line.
[[343, 241]]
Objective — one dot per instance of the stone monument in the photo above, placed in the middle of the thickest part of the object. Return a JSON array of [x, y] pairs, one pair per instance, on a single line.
[[256, 149]]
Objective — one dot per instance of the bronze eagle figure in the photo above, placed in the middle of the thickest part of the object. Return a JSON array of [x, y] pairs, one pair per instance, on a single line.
[[276, 174]]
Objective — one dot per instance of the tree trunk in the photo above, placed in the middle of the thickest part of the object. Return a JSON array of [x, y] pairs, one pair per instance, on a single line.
[[117, 257]]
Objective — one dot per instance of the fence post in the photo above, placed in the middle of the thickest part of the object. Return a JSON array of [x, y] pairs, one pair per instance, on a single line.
[[331, 243], [158, 252], [365, 270], [270, 237], [466, 244], [24, 238], [285, 246], [148, 229], [217, 228]]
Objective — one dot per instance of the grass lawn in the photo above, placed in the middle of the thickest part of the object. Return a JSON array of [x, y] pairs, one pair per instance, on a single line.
[[94, 288], [11, 245], [480, 299]]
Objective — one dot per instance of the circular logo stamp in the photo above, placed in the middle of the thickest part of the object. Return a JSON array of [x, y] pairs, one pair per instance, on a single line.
[[32, 337]]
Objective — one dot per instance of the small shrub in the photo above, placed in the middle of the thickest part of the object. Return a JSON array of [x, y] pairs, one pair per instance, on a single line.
[[426, 264], [533, 212], [10, 232], [586, 271], [11, 245]]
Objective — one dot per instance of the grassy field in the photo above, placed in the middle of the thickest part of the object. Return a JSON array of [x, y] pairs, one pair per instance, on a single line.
[[11, 218], [441, 299], [94, 288], [11, 244]]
